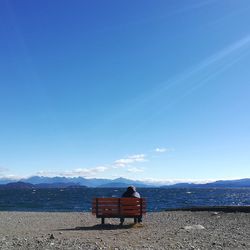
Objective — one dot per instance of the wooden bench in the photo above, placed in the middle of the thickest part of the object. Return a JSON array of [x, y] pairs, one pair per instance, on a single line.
[[119, 208]]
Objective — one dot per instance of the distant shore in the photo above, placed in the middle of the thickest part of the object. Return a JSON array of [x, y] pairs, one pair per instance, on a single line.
[[160, 230]]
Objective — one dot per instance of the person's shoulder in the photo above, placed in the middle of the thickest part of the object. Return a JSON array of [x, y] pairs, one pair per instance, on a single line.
[[125, 194], [137, 195]]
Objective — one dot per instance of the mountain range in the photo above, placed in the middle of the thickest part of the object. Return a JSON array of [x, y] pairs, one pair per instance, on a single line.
[[41, 181], [62, 182], [241, 183]]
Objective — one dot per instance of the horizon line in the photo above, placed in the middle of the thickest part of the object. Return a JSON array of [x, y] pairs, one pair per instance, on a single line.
[[145, 180]]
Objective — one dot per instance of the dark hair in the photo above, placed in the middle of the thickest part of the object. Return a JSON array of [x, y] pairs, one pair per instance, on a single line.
[[131, 189]]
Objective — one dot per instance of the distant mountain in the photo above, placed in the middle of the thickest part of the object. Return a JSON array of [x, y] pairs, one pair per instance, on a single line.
[[181, 185], [114, 185], [122, 182], [17, 185], [59, 185], [61, 182], [24, 185], [241, 183], [74, 180], [232, 183], [6, 181], [119, 182]]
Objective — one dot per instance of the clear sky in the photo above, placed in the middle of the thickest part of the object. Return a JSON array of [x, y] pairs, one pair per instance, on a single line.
[[139, 89]]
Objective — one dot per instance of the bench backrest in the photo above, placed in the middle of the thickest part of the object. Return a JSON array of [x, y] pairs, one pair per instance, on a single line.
[[118, 207]]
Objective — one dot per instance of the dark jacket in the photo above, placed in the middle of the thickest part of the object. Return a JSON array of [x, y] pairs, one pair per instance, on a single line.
[[131, 192]]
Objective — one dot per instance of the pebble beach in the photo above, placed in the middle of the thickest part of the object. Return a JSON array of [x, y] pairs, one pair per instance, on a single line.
[[159, 230]]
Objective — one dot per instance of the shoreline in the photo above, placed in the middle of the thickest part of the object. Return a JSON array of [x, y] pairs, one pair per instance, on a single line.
[[160, 230], [225, 209]]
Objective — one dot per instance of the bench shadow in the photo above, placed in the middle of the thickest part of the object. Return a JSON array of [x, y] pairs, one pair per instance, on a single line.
[[99, 227]]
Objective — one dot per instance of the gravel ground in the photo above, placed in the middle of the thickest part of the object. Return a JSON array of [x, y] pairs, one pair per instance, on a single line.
[[161, 230]]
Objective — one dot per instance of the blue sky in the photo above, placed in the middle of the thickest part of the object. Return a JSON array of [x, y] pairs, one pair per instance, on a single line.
[[141, 89]]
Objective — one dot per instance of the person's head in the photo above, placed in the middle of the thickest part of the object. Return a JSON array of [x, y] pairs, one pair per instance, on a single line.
[[131, 189]]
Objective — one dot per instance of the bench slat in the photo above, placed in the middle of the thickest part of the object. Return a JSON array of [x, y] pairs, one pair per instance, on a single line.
[[108, 206], [131, 202], [132, 208], [119, 213], [108, 199], [138, 213]]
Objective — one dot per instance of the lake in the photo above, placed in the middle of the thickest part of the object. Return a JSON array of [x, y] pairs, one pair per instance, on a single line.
[[79, 199]]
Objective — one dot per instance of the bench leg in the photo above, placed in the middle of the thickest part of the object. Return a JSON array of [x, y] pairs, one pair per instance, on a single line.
[[121, 221], [103, 220], [140, 219], [135, 220]]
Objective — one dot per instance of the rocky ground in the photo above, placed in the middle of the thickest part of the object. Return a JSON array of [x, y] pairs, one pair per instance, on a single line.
[[161, 230]]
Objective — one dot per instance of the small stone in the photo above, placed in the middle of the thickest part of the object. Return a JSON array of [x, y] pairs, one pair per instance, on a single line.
[[214, 213], [194, 227], [52, 237]]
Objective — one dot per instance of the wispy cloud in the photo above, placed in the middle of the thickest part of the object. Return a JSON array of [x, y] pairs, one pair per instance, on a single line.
[[94, 171], [3, 169], [84, 172], [214, 59], [10, 176], [87, 171], [161, 150], [129, 164], [135, 170], [130, 160], [188, 81]]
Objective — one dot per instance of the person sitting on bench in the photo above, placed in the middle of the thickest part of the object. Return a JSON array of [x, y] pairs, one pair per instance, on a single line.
[[131, 193]]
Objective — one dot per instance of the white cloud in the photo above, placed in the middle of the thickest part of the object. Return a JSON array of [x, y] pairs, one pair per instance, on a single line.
[[83, 172], [3, 169], [88, 171], [93, 172], [130, 160], [163, 150], [135, 170], [46, 173], [10, 177], [160, 150]]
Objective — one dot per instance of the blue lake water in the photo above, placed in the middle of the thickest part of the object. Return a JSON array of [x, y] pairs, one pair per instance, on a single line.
[[79, 199]]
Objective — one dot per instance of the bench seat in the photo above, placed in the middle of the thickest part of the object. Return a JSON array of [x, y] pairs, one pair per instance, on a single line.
[[118, 208]]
